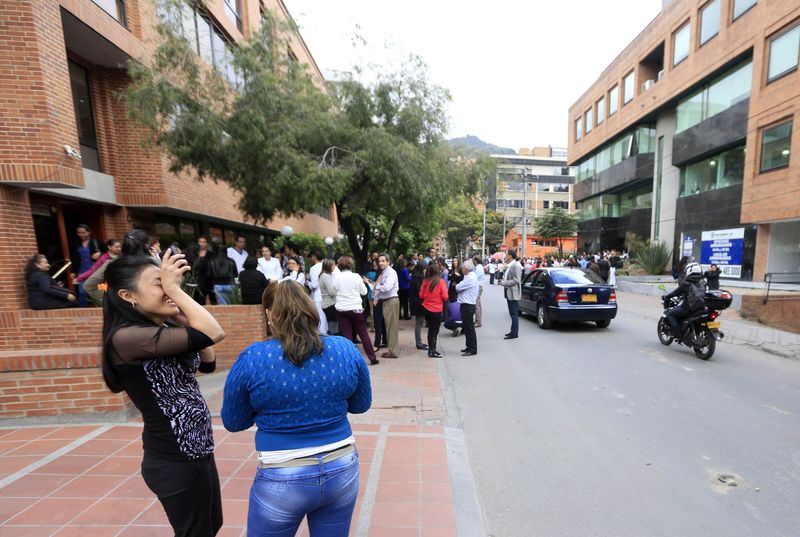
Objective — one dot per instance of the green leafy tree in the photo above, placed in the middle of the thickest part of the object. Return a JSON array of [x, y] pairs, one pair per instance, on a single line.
[[289, 146], [556, 223], [494, 231], [462, 222]]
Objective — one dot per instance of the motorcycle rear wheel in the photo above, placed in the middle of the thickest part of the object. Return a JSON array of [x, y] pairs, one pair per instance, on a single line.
[[707, 346], [664, 332]]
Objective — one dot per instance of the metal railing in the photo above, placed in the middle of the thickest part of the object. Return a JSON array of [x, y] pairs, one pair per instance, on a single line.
[[780, 277]]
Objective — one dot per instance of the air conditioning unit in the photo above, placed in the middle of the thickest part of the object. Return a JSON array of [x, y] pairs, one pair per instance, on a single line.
[[661, 74], [647, 85]]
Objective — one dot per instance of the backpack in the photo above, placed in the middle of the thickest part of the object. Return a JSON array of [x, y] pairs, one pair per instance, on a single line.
[[695, 297]]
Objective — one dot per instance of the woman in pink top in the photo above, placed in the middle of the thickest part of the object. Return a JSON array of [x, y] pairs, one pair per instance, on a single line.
[[434, 296], [114, 249]]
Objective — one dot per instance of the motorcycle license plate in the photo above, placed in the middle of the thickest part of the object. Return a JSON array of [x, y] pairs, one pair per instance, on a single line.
[[588, 298], [713, 325]]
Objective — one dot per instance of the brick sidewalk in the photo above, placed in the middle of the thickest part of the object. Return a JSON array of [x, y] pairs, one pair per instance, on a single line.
[[84, 479]]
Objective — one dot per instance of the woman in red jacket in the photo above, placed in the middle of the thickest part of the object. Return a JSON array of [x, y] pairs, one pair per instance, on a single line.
[[434, 296]]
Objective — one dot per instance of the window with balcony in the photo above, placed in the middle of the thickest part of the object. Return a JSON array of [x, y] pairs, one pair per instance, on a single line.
[[784, 52], [84, 117], [740, 7], [680, 44], [776, 147], [578, 129], [115, 8], [720, 171], [601, 110], [628, 85], [709, 21], [613, 101], [589, 121], [717, 96]]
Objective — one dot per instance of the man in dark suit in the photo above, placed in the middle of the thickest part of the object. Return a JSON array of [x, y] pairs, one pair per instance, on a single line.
[[512, 281]]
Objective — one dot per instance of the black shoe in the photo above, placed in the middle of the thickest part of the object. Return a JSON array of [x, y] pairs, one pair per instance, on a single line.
[[422, 347], [469, 353], [434, 354], [374, 362], [510, 336], [380, 346], [464, 350]]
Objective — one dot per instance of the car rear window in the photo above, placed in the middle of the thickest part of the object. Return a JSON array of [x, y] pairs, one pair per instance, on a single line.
[[575, 276]]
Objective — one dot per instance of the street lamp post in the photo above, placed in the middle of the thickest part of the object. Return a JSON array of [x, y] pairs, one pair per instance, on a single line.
[[287, 232], [329, 244]]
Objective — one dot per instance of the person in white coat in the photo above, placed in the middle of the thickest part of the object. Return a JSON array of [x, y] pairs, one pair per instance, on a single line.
[[316, 292]]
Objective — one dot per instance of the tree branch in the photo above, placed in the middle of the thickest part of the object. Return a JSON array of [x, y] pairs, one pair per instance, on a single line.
[[393, 233]]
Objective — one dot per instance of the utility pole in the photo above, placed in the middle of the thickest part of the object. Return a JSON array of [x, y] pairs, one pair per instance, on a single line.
[[483, 240], [524, 206]]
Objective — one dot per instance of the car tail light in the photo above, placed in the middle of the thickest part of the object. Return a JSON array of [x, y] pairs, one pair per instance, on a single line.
[[562, 298], [612, 298]]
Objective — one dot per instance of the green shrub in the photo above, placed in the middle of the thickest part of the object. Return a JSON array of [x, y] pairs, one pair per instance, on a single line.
[[652, 257]]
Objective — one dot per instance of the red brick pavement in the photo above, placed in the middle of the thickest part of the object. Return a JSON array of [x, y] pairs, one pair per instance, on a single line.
[[84, 479]]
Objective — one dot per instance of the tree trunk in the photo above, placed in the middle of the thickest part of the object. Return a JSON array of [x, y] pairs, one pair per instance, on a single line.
[[393, 234], [360, 251]]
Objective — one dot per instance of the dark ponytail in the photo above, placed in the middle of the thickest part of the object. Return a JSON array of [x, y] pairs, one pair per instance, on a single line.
[[136, 242], [121, 273]]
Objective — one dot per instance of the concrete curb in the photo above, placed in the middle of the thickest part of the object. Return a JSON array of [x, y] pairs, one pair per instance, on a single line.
[[469, 512], [651, 289]]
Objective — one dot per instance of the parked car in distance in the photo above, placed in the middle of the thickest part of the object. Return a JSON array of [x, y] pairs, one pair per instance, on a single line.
[[564, 294]]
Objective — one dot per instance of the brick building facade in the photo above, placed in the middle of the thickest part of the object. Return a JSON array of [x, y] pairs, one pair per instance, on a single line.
[[687, 137], [61, 71]]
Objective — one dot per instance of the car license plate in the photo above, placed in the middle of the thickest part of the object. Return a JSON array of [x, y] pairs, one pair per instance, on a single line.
[[588, 298], [713, 325]]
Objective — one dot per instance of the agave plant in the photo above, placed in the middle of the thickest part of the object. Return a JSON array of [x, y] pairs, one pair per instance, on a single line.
[[653, 257]]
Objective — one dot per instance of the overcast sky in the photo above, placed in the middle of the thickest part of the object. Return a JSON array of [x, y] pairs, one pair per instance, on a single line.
[[513, 67]]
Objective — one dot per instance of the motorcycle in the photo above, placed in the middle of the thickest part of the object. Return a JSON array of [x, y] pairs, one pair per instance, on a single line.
[[701, 330]]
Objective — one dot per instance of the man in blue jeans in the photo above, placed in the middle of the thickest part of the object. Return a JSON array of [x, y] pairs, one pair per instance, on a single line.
[[512, 281]]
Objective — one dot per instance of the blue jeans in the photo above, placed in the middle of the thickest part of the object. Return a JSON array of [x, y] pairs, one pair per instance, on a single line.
[[513, 311], [224, 294], [325, 492]]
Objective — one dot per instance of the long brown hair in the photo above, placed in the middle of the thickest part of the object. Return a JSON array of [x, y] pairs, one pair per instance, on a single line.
[[295, 320], [432, 275]]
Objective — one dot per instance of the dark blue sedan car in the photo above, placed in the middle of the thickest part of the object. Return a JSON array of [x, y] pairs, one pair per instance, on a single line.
[[564, 294]]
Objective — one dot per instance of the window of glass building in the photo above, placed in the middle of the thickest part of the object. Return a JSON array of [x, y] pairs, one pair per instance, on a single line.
[[589, 121], [84, 116], [601, 110], [740, 7], [628, 87], [784, 52], [613, 101], [578, 129], [776, 143], [709, 21], [680, 44], [720, 94], [720, 171]]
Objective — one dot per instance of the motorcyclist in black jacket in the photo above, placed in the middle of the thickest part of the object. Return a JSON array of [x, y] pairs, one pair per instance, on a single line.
[[692, 289]]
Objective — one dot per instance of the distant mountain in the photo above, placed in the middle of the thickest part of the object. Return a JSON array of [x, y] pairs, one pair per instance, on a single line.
[[473, 146]]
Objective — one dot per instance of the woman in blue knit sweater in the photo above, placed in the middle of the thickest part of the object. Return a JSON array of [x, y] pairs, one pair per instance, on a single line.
[[297, 389]]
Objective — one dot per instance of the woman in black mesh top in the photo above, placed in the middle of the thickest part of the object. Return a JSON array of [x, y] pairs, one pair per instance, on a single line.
[[155, 339]]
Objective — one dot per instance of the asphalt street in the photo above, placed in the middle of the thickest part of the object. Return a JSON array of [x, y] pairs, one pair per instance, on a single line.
[[578, 431]]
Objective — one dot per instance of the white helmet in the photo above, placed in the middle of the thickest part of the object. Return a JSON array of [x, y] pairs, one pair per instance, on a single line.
[[693, 268]]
